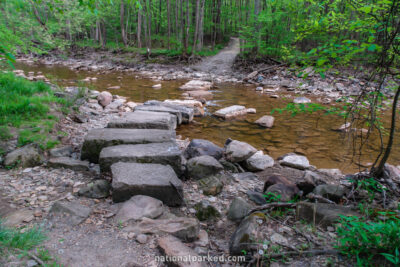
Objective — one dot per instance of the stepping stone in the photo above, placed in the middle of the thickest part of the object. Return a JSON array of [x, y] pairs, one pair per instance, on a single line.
[[160, 153], [145, 120], [154, 180], [187, 112], [163, 109], [98, 139]]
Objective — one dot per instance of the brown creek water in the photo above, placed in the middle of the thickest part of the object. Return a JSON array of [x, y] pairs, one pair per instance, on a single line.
[[308, 134]]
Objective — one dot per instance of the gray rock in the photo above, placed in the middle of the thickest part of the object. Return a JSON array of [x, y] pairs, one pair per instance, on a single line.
[[301, 100], [277, 179], [142, 239], [231, 112], [334, 173], [203, 166], [237, 151], [15, 218], [68, 163], [322, 214], [98, 139], [75, 212], [97, 189], [259, 162], [211, 185], [266, 121], [145, 120], [154, 180], [330, 191], [247, 236], [104, 98], [238, 209], [114, 106], [201, 147], [283, 192], [173, 248], [65, 151], [162, 109], [245, 176], [229, 166], [256, 197], [205, 211], [186, 229], [27, 156], [294, 161], [309, 181], [138, 207], [166, 153]]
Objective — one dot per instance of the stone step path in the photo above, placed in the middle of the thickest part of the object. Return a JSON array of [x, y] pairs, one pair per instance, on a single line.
[[154, 180], [161, 153], [186, 112], [162, 109], [145, 120], [98, 139]]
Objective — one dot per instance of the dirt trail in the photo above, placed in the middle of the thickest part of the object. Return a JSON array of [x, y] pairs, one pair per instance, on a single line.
[[222, 62]]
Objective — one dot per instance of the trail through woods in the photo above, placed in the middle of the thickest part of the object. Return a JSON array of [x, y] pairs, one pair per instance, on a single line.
[[223, 61]]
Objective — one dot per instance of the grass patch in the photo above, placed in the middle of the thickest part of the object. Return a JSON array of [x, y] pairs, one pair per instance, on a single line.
[[29, 107], [19, 242], [368, 241]]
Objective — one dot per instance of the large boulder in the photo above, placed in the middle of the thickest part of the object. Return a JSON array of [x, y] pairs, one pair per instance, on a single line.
[[27, 156], [237, 151], [154, 180], [203, 166], [322, 214], [201, 147], [259, 162], [138, 207], [238, 209], [247, 236], [295, 161], [266, 121]]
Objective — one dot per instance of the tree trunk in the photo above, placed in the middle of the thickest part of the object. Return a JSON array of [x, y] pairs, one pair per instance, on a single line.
[[169, 23], [196, 29], [380, 170], [122, 23], [139, 29]]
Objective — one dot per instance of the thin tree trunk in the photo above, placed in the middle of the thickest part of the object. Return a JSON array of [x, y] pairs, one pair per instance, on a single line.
[[169, 23], [139, 29], [196, 29], [122, 23], [380, 170]]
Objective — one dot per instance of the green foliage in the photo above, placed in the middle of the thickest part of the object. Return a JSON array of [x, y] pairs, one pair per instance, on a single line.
[[28, 106], [371, 185], [367, 241], [272, 197]]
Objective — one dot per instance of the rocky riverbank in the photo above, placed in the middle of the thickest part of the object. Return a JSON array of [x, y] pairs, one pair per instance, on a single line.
[[123, 188]]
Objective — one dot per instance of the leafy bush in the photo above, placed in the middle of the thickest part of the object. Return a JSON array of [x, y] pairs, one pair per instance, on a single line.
[[370, 240]]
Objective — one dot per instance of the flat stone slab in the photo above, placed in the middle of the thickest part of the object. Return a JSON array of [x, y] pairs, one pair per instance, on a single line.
[[160, 153], [145, 120], [162, 109], [196, 85], [231, 112], [154, 180], [186, 111], [68, 163], [98, 139], [173, 248]]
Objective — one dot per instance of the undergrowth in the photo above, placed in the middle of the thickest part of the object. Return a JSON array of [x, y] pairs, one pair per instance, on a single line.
[[31, 108]]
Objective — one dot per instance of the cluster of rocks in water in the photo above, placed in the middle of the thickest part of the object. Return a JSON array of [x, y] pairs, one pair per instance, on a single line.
[[152, 173]]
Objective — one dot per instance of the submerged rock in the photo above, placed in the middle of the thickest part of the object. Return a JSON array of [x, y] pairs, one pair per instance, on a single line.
[[231, 112], [266, 121]]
